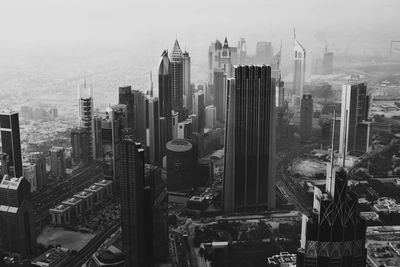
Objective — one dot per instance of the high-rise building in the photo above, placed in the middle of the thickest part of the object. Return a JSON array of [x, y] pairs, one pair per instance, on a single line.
[[299, 71], [17, 232], [97, 138], [176, 65], [11, 142], [242, 51], [39, 160], [211, 116], [198, 109], [306, 116], [327, 62], [354, 128], [153, 130], [132, 182], [127, 98], [263, 53], [185, 129], [139, 129], [187, 89], [164, 94], [175, 121], [79, 145], [4, 159], [29, 173], [249, 178], [226, 62], [85, 95], [214, 59], [334, 234], [219, 93], [195, 122], [57, 162]]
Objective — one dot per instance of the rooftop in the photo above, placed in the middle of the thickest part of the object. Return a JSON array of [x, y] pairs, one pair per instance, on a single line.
[[9, 182], [54, 255]]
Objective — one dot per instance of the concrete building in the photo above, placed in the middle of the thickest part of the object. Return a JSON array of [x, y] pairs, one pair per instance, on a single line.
[[177, 78], [29, 173], [249, 163], [185, 129], [97, 191], [87, 200], [60, 214], [264, 53], [54, 257], [175, 122], [108, 187], [214, 59], [76, 205], [57, 162], [198, 109], [153, 130], [306, 117], [220, 93], [299, 70], [211, 116], [39, 160], [85, 101], [226, 63], [80, 150], [187, 89], [164, 95]]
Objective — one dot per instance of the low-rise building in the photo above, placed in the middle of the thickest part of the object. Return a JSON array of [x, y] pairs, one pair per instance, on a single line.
[[75, 204], [61, 214], [54, 257], [107, 185], [283, 259], [87, 199], [97, 192]]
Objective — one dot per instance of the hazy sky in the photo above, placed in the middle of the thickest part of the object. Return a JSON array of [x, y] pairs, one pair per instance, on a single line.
[[83, 21]]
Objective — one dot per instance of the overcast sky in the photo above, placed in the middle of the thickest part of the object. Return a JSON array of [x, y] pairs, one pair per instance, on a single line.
[[84, 21]]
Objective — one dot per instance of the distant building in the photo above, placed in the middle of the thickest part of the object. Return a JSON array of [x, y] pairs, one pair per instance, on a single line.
[[80, 152], [57, 162], [214, 59], [11, 141], [299, 70], [226, 62], [264, 53], [334, 234], [220, 93], [242, 51], [249, 178], [211, 116], [29, 173], [198, 109], [85, 95], [306, 117], [175, 122], [185, 129], [126, 97], [181, 165], [97, 138], [354, 127], [17, 232], [60, 214], [187, 89], [327, 62], [4, 161], [39, 160]]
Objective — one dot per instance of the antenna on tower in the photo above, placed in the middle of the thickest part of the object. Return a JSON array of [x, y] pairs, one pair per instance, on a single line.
[[151, 84]]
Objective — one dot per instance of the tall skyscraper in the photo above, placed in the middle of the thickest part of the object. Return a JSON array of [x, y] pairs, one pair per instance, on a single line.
[[185, 129], [334, 234], [11, 142], [226, 63], [17, 232], [177, 78], [354, 128], [132, 202], [219, 93], [263, 53], [306, 116], [85, 96], [97, 138], [299, 71], [187, 89], [211, 116], [164, 94], [198, 109], [57, 162], [327, 62], [249, 178], [153, 130], [139, 129], [79, 145], [242, 51], [39, 160], [214, 59], [127, 98]]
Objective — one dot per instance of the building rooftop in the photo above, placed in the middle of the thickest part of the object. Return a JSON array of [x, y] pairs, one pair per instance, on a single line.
[[52, 256], [60, 208], [282, 258], [94, 188], [8, 209], [179, 145], [72, 201], [83, 194], [9, 182], [104, 182]]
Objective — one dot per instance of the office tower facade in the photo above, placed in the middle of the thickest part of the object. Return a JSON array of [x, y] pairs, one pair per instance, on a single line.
[[185, 129], [127, 98], [29, 174], [211, 116], [17, 232], [80, 153], [214, 59], [327, 62], [11, 141], [139, 129], [198, 109], [226, 63], [85, 95], [175, 121], [97, 138], [334, 234], [57, 162], [242, 51], [263, 53], [354, 127], [195, 124], [4, 160], [132, 202], [181, 165], [39, 160], [165, 93], [187, 89], [249, 178], [306, 116], [177, 78], [153, 130], [219, 92], [115, 120], [299, 70]]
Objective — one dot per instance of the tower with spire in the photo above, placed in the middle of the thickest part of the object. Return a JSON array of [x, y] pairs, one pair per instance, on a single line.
[[226, 59], [299, 70], [165, 95], [177, 78]]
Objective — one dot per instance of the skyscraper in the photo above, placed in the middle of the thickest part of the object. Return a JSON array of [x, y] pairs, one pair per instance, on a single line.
[[249, 178], [85, 95], [219, 93], [187, 89], [198, 109], [214, 59], [242, 51], [139, 129], [306, 116], [211, 116], [10, 141], [39, 160], [334, 234], [354, 128], [153, 130], [79, 145], [29, 174], [177, 78], [127, 98], [263, 53], [226, 63], [97, 138], [132, 202], [17, 232], [164, 94], [57, 162], [299, 71]]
